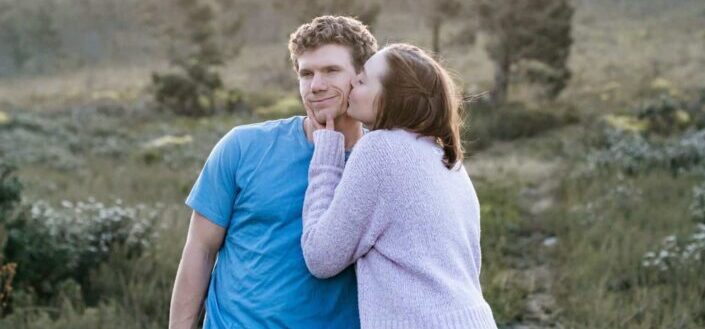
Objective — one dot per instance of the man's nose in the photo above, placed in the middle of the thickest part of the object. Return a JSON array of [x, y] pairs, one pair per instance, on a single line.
[[318, 83]]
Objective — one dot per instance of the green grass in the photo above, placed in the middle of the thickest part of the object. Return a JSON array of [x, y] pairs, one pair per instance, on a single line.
[[502, 223], [606, 223]]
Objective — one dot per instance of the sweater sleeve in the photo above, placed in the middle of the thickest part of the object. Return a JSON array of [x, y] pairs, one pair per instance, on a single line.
[[340, 220]]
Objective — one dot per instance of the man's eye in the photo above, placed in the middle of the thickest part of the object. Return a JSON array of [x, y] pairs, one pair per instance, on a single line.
[[305, 74]]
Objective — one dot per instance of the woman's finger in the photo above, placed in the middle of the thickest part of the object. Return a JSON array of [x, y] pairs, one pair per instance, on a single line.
[[330, 123], [312, 118]]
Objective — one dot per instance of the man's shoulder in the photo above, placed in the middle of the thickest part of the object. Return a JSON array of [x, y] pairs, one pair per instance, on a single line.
[[269, 125], [260, 131]]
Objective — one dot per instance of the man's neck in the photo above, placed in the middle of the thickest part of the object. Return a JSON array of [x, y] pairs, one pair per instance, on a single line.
[[349, 127]]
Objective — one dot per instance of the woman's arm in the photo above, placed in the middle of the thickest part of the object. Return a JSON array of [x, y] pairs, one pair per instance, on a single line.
[[342, 210]]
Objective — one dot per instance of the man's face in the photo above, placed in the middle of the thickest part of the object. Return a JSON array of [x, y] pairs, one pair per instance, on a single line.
[[325, 76]]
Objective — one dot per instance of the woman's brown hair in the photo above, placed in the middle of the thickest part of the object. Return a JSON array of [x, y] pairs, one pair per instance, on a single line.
[[418, 95]]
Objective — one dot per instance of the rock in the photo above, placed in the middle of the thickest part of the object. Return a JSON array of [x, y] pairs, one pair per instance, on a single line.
[[550, 241], [541, 307]]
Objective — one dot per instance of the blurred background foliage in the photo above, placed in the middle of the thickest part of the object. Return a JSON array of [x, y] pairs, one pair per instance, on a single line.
[[584, 128]]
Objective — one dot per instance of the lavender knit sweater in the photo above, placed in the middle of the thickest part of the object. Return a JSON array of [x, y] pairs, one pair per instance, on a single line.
[[412, 226]]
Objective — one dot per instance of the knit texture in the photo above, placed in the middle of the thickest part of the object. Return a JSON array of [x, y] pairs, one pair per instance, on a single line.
[[411, 226]]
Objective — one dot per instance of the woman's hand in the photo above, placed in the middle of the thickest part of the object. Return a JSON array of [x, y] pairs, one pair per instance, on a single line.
[[330, 119], [315, 124]]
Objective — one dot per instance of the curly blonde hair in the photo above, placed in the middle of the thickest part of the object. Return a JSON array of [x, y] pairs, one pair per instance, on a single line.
[[340, 30]]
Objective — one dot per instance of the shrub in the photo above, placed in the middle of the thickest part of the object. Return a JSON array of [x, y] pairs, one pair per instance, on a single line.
[[197, 91], [697, 207], [485, 123], [51, 245], [75, 133], [634, 153], [285, 107], [665, 115], [10, 189], [678, 255]]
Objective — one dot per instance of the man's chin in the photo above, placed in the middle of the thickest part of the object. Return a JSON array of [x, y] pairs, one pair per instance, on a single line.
[[322, 115]]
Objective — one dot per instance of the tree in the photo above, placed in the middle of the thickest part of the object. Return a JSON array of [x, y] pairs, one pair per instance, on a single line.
[[201, 36], [536, 32], [437, 13], [305, 10], [29, 32]]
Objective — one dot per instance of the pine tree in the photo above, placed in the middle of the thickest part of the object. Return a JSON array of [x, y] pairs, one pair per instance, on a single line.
[[202, 35], [439, 12], [535, 31], [305, 10]]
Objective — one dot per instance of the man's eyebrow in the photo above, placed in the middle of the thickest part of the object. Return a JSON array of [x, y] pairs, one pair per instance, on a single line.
[[326, 67]]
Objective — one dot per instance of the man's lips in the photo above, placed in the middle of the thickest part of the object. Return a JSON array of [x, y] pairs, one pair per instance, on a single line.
[[318, 101]]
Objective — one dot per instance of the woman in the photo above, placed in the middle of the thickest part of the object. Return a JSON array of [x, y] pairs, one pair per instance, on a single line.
[[403, 207]]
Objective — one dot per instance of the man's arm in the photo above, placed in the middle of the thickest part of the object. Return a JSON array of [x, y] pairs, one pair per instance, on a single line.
[[202, 244]]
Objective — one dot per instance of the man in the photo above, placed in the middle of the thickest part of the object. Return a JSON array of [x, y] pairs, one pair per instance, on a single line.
[[247, 204]]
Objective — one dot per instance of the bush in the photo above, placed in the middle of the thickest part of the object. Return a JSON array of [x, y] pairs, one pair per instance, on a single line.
[[75, 133], [665, 115], [697, 207], [197, 91], [696, 109], [263, 98], [285, 107], [662, 134], [486, 123], [10, 189], [53, 245], [677, 255], [128, 290], [633, 153]]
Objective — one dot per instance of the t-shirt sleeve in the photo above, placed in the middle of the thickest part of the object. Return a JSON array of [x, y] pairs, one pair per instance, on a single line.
[[213, 195]]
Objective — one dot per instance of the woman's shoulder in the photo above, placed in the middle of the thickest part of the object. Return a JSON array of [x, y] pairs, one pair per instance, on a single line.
[[389, 136], [385, 146], [381, 141], [376, 149]]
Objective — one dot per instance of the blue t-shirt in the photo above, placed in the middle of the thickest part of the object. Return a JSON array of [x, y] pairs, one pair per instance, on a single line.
[[253, 185]]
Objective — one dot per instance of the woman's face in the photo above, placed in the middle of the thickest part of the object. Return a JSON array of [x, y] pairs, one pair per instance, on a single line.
[[367, 87]]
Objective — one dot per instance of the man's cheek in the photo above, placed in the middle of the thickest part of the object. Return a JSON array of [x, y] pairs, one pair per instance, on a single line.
[[345, 93]]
